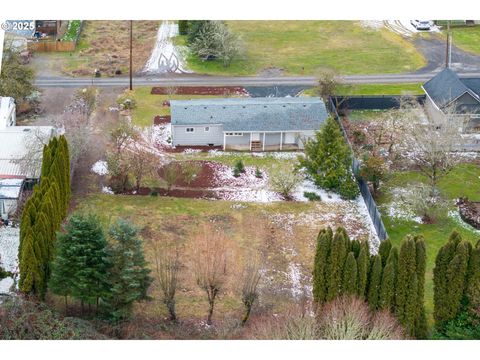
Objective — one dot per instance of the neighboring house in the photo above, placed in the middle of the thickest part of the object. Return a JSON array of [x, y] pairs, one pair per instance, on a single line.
[[448, 93], [20, 156], [7, 112], [254, 124]]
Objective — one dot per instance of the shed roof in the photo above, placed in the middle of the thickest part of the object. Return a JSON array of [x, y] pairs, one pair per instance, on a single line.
[[447, 86], [251, 114], [14, 142]]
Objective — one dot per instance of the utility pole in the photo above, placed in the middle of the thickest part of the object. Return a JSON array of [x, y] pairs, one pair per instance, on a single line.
[[131, 41], [448, 55]]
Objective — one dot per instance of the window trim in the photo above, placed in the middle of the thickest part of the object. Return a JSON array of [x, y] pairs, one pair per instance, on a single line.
[[206, 129], [234, 134], [189, 128]]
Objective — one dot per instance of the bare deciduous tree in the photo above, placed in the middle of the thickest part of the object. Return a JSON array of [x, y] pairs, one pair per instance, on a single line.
[[31, 162], [432, 142], [167, 265], [143, 163], [210, 264], [251, 278]]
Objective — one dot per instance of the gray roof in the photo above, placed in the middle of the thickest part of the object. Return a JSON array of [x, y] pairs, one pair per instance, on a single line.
[[446, 86], [251, 114]]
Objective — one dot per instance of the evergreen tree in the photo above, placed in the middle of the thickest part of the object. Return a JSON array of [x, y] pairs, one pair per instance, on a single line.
[[88, 258], [407, 286], [387, 288], [363, 264], [375, 282], [350, 281], [46, 162], [473, 281], [320, 263], [336, 263], [421, 263], [31, 272], [130, 277], [384, 250], [328, 160]]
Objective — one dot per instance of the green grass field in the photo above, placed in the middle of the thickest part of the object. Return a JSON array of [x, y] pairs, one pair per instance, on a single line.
[[308, 47], [149, 106], [373, 89], [467, 38], [436, 235]]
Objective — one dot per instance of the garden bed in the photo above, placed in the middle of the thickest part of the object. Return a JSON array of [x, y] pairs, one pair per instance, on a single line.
[[200, 90], [469, 212]]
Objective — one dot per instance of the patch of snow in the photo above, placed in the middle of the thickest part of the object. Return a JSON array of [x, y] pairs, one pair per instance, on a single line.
[[165, 57], [372, 24], [159, 136], [308, 186], [405, 28], [399, 208], [191, 151], [107, 190], [455, 215], [9, 241], [100, 168]]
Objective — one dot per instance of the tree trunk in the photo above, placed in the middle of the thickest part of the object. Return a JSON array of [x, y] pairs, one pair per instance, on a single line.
[[248, 309]]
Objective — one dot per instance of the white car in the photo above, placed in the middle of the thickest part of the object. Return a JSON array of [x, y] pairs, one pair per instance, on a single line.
[[422, 24]]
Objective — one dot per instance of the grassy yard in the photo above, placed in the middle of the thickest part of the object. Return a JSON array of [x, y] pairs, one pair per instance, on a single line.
[[149, 106], [282, 233], [307, 47], [452, 186], [373, 89], [467, 38]]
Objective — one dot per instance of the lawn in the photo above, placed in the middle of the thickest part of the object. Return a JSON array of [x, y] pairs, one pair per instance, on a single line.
[[149, 106], [282, 233], [373, 89], [308, 47], [467, 38], [452, 186]]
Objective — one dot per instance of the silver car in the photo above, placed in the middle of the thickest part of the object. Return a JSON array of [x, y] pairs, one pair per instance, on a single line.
[[422, 24]]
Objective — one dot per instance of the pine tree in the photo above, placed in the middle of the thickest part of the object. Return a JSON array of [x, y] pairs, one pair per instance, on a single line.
[[320, 263], [335, 266], [130, 277], [350, 276], [375, 282], [88, 258], [46, 161], [387, 288], [328, 160], [363, 265]]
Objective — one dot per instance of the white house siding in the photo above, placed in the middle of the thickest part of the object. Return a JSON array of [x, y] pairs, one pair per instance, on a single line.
[[239, 140], [199, 137]]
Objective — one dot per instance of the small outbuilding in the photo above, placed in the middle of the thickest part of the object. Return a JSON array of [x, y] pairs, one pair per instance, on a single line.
[[251, 124]]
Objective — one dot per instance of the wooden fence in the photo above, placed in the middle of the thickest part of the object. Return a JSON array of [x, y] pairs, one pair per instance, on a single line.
[[51, 46]]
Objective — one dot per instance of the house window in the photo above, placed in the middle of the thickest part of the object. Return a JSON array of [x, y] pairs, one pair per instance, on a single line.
[[207, 128], [234, 134], [189, 130]]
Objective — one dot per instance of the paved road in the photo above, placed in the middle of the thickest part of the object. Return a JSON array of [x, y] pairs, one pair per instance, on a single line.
[[199, 80]]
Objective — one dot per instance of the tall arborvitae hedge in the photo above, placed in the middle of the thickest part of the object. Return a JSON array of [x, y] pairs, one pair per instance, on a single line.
[[456, 280], [42, 216], [390, 280]]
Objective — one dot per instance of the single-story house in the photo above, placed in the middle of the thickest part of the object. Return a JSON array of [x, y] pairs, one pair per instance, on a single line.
[[7, 112], [446, 93], [253, 124]]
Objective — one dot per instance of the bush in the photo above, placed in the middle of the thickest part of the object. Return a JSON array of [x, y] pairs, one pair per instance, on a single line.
[[154, 193], [190, 171], [258, 173], [284, 179], [465, 326], [127, 101], [359, 137], [311, 196], [183, 27], [239, 166], [236, 172]]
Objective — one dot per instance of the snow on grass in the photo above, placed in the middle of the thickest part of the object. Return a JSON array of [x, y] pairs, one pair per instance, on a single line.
[[372, 24], [107, 190], [100, 168], [191, 151], [308, 186], [9, 241], [398, 208], [278, 155], [455, 215]]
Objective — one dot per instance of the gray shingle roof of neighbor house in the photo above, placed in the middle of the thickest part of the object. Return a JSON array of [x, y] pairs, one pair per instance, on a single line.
[[251, 114], [446, 86]]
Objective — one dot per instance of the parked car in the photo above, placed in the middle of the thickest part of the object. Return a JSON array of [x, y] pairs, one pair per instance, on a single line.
[[422, 24]]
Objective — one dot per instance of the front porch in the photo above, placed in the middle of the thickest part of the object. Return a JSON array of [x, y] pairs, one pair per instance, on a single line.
[[261, 141]]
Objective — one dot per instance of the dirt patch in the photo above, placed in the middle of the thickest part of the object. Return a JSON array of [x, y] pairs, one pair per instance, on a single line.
[[162, 120], [181, 149], [201, 90], [205, 178]]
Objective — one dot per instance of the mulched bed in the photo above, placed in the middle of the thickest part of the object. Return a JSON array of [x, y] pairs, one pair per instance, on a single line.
[[190, 193], [200, 90], [180, 149], [162, 120], [469, 212], [204, 179]]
